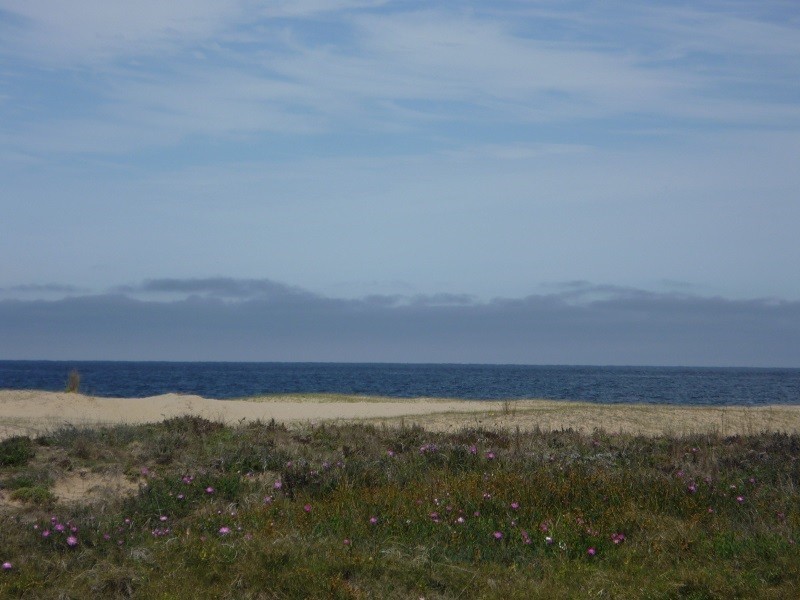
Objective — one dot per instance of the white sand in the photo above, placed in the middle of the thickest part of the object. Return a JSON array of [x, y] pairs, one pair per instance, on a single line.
[[33, 412]]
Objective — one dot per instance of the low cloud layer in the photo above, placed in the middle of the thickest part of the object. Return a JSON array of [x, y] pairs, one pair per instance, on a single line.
[[262, 320]]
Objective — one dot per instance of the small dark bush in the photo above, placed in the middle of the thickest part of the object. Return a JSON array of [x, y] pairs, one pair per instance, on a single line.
[[16, 451], [192, 424]]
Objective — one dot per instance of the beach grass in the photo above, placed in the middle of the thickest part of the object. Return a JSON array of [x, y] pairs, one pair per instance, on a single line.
[[260, 510]]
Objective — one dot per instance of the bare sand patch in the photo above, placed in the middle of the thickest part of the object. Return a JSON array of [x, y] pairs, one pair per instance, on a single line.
[[84, 487], [33, 412]]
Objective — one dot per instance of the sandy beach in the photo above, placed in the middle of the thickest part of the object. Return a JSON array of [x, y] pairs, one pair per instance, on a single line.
[[31, 412]]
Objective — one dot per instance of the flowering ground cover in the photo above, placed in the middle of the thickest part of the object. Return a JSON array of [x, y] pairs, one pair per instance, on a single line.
[[355, 511]]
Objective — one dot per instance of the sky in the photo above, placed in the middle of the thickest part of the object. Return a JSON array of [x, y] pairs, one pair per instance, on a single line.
[[540, 182]]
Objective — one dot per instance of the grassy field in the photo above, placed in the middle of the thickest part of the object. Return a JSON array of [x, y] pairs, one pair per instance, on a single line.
[[192, 508]]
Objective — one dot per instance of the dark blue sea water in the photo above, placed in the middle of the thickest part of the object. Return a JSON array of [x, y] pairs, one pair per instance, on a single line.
[[662, 385]]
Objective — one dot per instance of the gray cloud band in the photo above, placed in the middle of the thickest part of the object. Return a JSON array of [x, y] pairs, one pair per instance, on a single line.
[[270, 321]]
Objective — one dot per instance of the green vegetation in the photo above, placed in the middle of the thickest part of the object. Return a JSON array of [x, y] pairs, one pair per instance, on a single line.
[[16, 451], [355, 511]]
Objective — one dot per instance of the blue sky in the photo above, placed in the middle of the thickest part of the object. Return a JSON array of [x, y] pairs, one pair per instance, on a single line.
[[458, 154]]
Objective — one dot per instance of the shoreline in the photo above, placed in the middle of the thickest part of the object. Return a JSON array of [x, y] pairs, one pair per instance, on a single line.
[[35, 412]]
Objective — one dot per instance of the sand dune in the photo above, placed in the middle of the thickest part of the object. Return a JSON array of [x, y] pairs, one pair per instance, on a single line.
[[32, 412]]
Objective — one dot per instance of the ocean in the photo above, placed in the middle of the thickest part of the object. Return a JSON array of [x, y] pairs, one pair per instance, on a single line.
[[224, 380]]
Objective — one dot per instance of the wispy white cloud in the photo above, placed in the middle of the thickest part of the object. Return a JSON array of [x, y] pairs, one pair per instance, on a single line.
[[168, 71], [96, 31]]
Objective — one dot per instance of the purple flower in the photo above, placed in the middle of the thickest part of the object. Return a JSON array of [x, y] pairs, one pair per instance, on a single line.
[[307, 508], [473, 449], [209, 490], [162, 518], [72, 541], [490, 455], [591, 552], [515, 505], [46, 533], [548, 540], [498, 535], [278, 485], [617, 538], [373, 520], [7, 566], [740, 499], [224, 530], [390, 453]]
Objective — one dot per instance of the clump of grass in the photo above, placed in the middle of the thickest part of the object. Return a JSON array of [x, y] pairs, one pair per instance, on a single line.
[[73, 382], [37, 494], [16, 451], [354, 511]]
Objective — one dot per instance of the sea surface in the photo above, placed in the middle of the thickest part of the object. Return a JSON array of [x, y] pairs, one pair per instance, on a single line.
[[660, 385]]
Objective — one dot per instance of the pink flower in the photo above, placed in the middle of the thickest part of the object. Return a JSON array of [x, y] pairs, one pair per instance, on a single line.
[[473, 449], [490, 455], [59, 527], [740, 499], [72, 541], [224, 530], [307, 508], [498, 535], [591, 552], [390, 453], [209, 490], [46, 533], [373, 520], [346, 542], [162, 518], [7, 566], [515, 505], [460, 520], [278, 485]]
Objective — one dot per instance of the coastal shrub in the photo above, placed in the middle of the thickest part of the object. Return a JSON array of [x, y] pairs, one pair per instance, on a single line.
[[73, 382], [16, 451], [37, 495], [194, 425]]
